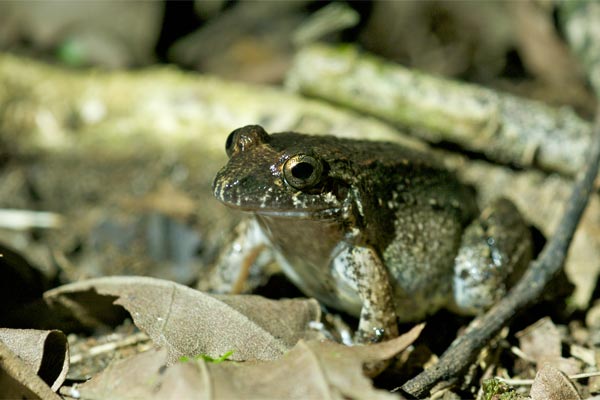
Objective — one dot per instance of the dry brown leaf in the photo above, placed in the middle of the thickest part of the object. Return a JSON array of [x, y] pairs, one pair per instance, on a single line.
[[538, 41], [551, 384], [540, 341], [136, 377], [188, 322], [19, 381], [286, 319], [312, 369], [45, 352]]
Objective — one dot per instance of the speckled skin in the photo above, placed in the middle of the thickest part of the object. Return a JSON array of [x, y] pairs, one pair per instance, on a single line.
[[374, 230]]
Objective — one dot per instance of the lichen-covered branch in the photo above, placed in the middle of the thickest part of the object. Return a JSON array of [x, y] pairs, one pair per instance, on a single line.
[[47, 107], [504, 127]]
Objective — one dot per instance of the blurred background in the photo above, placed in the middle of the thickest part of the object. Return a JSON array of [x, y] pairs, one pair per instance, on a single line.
[[114, 116], [100, 127], [496, 43]]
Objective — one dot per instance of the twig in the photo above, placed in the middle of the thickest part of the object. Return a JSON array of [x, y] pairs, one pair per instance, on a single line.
[[529, 382], [109, 347], [584, 375], [27, 219], [465, 348], [519, 353]]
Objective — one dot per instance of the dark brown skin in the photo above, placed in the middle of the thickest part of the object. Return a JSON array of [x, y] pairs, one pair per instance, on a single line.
[[463, 351], [371, 228]]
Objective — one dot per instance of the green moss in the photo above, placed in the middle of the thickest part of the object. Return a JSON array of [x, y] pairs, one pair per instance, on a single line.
[[207, 358], [495, 389]]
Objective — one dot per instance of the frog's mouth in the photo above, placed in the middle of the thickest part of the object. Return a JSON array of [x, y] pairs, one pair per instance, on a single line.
[[316, 213], [323, 214]]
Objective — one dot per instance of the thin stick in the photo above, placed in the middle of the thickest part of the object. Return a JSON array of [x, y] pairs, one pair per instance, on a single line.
[[109, 347], [529, 382]]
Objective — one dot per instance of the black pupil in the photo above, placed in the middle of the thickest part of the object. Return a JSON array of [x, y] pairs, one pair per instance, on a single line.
[[302, 170]]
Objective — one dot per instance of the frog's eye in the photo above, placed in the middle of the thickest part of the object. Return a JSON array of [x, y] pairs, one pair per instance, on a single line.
[[302, 171]]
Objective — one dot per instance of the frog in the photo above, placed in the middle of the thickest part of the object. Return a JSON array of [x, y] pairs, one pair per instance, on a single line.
[[380, 231]]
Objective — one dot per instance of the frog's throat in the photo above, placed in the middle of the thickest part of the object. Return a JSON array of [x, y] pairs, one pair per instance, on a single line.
[[323, 214]]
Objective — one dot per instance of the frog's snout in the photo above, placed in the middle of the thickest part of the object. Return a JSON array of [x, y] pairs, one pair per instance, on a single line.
[[222, 186]]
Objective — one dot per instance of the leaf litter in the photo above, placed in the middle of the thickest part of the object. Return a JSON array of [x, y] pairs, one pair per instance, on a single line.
[[311, 369], [188, 322]]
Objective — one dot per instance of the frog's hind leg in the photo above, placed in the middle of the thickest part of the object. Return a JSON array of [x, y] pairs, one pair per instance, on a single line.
[[494, 252]]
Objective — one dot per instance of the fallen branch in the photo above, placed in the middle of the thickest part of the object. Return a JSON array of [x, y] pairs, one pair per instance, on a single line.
[[504, 127], [45, 108]]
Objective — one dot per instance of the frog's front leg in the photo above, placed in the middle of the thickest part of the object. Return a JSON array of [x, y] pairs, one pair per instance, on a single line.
[[364, 270], [494, 252], [240, 265]]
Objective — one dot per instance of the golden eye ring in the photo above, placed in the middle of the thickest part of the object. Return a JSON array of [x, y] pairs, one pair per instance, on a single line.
[[302, 171]]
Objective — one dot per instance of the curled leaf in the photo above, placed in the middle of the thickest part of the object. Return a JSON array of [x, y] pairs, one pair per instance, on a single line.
[[46, 352], [188, 322]]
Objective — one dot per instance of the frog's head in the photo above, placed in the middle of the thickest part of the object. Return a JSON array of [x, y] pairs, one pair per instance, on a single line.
[[283, 175]]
